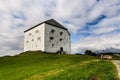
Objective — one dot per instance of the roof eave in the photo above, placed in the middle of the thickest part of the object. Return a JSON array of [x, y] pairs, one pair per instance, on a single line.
[[33, 27]]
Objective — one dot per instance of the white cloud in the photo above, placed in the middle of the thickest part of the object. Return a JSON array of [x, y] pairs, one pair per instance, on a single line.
[[103, 30], [18, 15], [98, 43], [72, 28]]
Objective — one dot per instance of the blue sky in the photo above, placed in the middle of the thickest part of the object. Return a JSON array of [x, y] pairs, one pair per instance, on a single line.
[[94, 24]]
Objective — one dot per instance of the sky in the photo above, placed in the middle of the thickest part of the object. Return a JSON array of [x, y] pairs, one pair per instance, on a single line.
[[93, 24]]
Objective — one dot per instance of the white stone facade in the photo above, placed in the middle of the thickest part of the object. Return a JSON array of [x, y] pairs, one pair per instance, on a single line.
[[48, 38], [34, 39]]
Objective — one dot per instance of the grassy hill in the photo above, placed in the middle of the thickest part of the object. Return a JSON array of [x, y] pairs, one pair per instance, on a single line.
[[43, 66]]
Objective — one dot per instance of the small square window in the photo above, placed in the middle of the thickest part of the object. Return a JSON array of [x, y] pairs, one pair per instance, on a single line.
[[60, 39], [37, 31], [39, 38], [27, 41], [51, 38], [30, 34], [32, 39], [52, 31], [53, 45], [61, 33]]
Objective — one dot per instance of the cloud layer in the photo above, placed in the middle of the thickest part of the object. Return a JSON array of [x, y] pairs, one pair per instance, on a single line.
[[94, 24]]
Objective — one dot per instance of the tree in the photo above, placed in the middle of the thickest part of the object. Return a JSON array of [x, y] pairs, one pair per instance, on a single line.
[[89, 52]]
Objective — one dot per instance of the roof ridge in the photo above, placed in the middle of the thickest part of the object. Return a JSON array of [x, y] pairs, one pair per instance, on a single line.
[[51, 22]]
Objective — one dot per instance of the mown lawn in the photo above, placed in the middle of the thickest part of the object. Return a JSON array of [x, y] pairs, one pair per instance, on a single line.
[[43, 66]]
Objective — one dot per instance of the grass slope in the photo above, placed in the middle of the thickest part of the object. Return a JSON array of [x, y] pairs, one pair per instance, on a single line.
[[42, 66]]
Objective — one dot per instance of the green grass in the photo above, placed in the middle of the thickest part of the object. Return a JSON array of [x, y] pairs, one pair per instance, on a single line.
[[116, 58], [43, 66]]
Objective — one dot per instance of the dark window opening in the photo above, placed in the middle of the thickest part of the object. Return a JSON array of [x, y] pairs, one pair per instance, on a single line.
[[51, 38], [39, 38], [61, 49], [32, 39], [61, 33], [30, 34], [37, 31], [52, 45], [52, 31], [60, 39]]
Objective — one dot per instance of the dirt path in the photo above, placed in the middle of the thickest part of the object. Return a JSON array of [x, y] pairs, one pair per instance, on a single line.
[[117, 63]]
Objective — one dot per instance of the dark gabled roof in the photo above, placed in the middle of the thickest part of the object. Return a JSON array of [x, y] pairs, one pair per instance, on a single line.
[[50, 22]]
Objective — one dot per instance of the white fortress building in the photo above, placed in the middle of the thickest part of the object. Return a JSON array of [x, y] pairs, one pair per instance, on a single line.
[[48, 36]]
